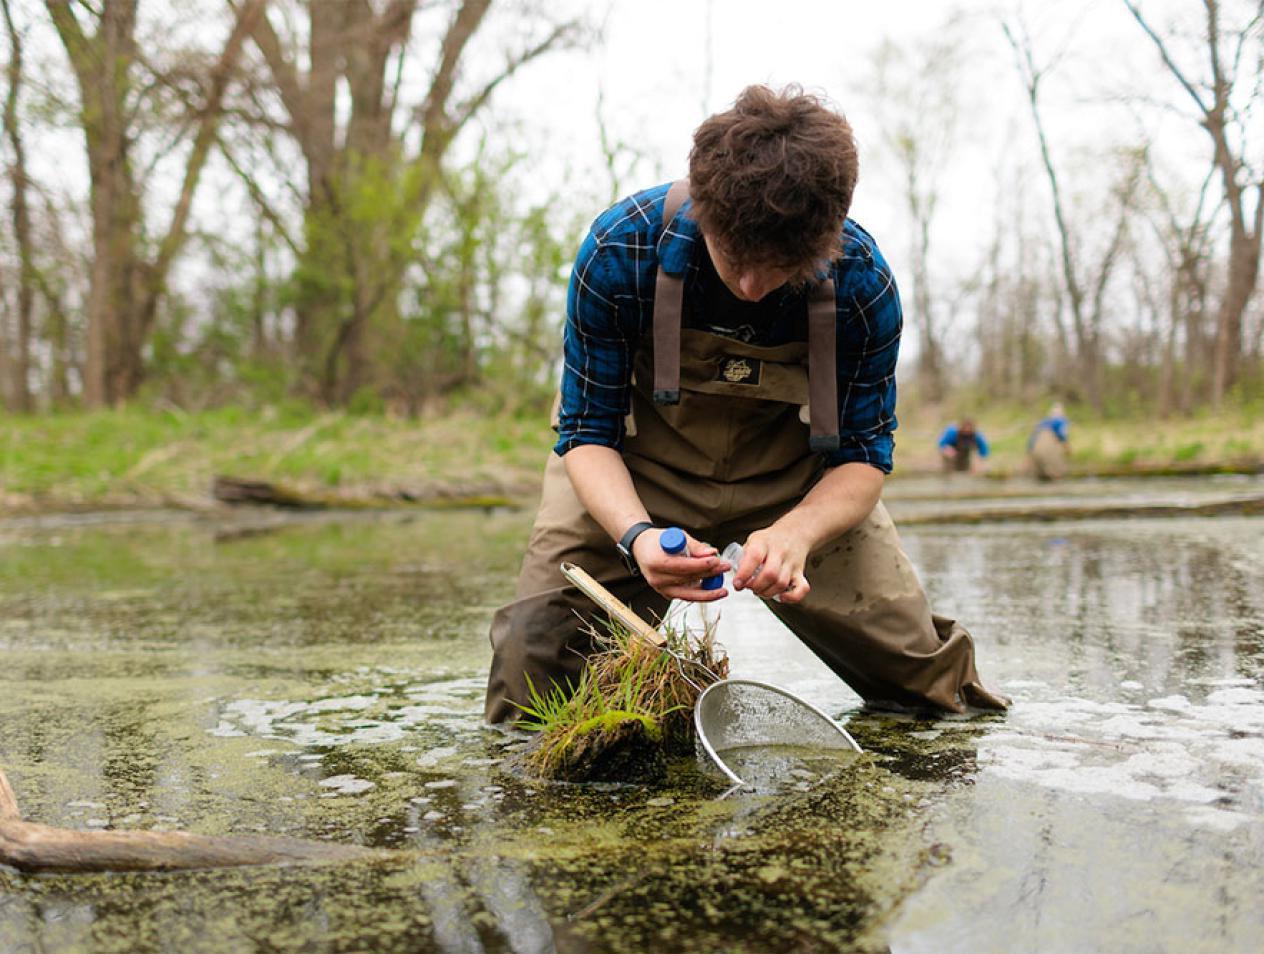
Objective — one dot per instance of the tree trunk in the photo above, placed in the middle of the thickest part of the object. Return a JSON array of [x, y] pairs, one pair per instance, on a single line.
[[20, 393], [104, 78], [1086, 348], [1244, 266], [930, 361], [125, 288]]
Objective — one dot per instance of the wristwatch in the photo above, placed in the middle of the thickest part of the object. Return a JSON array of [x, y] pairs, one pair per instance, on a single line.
[[624, 546]]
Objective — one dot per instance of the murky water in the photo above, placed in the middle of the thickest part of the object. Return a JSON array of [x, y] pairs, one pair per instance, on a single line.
[[324, 680]]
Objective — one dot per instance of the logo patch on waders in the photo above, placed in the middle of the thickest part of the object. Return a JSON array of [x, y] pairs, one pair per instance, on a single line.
[[740, 370]]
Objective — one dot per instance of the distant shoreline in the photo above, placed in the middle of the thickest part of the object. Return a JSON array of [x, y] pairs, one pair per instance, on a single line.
[[140, 459]]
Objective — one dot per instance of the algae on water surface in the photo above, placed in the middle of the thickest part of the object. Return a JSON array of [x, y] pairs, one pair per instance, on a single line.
[[325, 681]]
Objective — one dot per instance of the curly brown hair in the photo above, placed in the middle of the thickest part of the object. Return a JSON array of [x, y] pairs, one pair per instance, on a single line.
[[772, 178]]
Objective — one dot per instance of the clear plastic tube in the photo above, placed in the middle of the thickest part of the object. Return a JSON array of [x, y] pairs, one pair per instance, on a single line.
[[733, 554]]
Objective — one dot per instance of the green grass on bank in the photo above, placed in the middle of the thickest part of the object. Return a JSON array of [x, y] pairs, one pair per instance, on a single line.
[[140, 456]]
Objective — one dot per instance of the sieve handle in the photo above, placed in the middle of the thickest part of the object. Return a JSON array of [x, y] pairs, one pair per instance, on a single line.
[[614, 607]]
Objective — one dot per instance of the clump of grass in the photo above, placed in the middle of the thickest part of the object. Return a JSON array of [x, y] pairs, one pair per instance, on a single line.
[[631, 707]]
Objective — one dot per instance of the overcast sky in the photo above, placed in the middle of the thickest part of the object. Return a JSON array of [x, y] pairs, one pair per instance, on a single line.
[[665, 64]]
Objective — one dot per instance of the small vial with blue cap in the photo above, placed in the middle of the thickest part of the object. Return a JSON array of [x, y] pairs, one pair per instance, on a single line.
[[673, 541]]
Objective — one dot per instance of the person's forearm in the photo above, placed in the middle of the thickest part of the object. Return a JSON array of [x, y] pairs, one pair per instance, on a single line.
[[839, 501], [604, 486], [774, 558]]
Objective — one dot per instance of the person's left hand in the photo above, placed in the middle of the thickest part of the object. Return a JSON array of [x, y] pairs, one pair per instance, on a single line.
[[772, 565]]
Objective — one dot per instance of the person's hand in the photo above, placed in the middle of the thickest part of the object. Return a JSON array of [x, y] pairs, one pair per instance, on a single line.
[[680, 575], [948, 452], [772, 565]]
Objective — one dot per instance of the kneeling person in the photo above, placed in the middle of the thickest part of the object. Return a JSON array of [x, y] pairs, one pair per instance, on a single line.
[[730, 350]]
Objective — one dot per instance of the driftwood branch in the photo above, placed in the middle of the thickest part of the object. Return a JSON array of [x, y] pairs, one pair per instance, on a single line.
[[263, 493], [1245, 506], [240, 490], [8, 802], [31, 847]]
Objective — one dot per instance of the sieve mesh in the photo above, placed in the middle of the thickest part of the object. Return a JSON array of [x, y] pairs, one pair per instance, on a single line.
[[737, 712]]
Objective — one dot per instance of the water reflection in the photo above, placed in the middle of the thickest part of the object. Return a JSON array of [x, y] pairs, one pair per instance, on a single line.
[[1091, 606]]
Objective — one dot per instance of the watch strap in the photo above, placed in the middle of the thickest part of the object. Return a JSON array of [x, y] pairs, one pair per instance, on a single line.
[[624, 546]]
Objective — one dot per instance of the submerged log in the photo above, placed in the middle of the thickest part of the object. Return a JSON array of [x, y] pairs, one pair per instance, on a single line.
[[8, 801], [263, 493], [239, 490], [1246, 506], [32, 847]]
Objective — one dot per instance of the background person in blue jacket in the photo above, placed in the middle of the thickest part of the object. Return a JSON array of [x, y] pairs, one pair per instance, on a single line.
[[1048, 448], [958, 443]]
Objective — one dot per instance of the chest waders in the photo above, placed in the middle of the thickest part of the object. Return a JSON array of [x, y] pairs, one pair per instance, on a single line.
[[961, 462], [1048, 455], [730, 456]]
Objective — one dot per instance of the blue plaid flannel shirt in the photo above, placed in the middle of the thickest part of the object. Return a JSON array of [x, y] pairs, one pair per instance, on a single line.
[[610, 304]]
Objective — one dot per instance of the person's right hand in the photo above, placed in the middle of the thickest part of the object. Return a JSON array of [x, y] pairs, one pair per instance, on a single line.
[[680, 575]]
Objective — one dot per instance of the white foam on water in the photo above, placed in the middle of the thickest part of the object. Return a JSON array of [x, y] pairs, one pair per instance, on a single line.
[[346, 785], [355, 703], [1208, 756], [435, 755], [341, 720], [1237, 697]]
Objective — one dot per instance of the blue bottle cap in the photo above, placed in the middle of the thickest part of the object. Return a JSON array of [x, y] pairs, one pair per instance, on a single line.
[[713, 582], [672, 540]]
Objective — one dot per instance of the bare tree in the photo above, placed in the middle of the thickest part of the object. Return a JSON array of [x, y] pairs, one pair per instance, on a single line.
[[19, 392], [917, 85], [355, 253], [1223, 95], [127, 285], [1085, 287]]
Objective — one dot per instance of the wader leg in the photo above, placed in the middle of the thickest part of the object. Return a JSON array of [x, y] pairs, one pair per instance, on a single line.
[[868, 619], [538, 636], [1048, 456]]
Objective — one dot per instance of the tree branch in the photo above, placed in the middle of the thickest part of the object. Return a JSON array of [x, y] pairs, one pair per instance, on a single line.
[[72, 36], [559, 33], [284, 74], [1167, 59], [249, 14], [256, 194], [434, 118]]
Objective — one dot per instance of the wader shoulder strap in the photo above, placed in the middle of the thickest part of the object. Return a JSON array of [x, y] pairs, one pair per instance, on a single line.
[[823, 367], [669, 299]]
